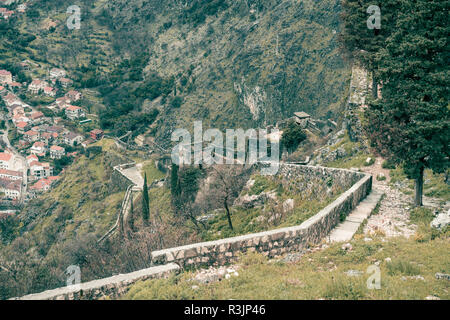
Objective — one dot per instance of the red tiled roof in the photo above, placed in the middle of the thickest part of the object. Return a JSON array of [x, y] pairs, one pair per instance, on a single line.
[[11, 172], [5, 156], [73, 108], [57, 148], [31, 133], [21, 124]]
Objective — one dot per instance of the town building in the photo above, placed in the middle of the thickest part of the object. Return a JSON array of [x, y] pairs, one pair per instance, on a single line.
[[57, 152], [10, 188], [31, 136], [40, 170], [5, 76], [6, 160], [11, 174], [73, 95], [74, 112], [38, 148], [37, 85], [96, 134], [56, 73], [73, 139]]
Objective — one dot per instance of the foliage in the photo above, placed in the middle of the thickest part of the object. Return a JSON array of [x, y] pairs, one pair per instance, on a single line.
[[293, 135]]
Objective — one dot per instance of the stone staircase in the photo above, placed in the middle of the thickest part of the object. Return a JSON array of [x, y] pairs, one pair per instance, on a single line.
[[347, 229]]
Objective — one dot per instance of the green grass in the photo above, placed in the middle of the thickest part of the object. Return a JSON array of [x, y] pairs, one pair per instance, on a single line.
[[321, 275], [355, 161], [152, 172]]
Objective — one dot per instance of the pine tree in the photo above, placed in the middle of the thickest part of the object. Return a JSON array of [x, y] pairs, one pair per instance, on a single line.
[[145, 201], [411, 124]]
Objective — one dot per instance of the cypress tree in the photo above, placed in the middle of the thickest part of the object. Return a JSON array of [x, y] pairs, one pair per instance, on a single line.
[[411, 124], [145, 201]]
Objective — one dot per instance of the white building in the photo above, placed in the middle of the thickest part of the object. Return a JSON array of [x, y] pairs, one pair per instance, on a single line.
[[6, 160], [57, 152]]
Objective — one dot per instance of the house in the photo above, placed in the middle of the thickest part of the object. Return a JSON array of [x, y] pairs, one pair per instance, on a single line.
[[38, 148], [87, 142], [11, 188], [73, 139], [96, 134], [302, 118], [37, 117], [17, 110], [37, 85], [11, 174], [22, 126], [22, 7], [40, 170], [31, 136], [10, 99], [31, 158], [7, 14], [47, 137], [56, 73], [5, 76], [73, 95], [2, 90], [57, 152], [43, 184], [74, 112], [14, 86], [65, 82], [62, 102], [6, 160], [49, 91]]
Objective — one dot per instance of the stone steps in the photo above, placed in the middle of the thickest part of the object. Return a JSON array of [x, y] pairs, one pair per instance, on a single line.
[[346, 230]]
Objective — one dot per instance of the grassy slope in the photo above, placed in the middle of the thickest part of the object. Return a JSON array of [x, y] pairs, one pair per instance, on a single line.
[[321, 274]]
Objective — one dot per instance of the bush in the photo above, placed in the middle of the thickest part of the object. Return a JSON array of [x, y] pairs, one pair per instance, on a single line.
[[388, 164], [293, 135]]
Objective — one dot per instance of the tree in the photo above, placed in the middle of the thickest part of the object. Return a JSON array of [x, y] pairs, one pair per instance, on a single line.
[[293, 135], [145, 201], [360, 42], [227, 183], [411, 124], [174, 185]]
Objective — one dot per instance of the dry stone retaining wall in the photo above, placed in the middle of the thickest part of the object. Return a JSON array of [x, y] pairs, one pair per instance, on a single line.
[[276, 242], [112, 287]]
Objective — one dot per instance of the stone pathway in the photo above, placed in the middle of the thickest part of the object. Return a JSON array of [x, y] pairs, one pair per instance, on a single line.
[[392, 219], [345, 230], [134, 174]]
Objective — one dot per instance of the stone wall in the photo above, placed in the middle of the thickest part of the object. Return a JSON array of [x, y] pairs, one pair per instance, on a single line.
[[112, 287], [276, 242]]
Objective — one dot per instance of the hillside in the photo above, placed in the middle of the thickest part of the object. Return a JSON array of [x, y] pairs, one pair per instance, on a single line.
[[228, 63]]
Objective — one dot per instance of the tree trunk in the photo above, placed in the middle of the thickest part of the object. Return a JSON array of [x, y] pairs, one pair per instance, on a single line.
[[419, 189], [225, 203]]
